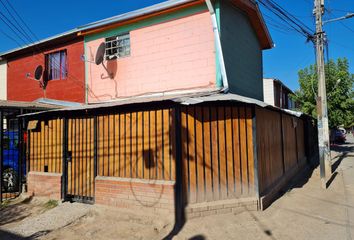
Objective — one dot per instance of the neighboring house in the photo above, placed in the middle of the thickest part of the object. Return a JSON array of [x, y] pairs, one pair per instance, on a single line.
[[63, 70], [277, 94], [3, 81]]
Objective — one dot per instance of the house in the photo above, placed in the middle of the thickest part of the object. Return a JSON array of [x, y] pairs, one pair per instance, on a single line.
[[3, 80], [174, 120], [58, 62], [276, 93], [170, 48], [167, 48]]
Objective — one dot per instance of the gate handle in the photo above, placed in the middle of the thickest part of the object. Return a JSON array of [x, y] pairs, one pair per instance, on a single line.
[[69, 156]]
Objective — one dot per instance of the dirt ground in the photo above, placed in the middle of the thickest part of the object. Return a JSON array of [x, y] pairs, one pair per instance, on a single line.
[[304, 211]]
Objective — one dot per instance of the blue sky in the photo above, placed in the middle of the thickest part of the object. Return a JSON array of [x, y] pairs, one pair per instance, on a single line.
[[291, 52]]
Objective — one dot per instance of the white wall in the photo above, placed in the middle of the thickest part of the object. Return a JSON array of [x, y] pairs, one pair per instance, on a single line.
[[3, 80], [268, 91]]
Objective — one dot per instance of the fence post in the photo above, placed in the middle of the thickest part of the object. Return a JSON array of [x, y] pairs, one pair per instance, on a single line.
[[64, 160], [95, 144], [296, 143], [1, 150], [21, 148], [282, 141], [255, 163]]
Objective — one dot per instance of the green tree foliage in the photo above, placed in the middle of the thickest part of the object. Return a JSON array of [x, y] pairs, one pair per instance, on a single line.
[[340, 95]]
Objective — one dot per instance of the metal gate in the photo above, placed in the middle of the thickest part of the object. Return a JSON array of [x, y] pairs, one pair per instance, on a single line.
[[12, 168], [79, 167]]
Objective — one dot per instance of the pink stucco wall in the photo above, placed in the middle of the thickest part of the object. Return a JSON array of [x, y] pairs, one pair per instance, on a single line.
[[178, 54]]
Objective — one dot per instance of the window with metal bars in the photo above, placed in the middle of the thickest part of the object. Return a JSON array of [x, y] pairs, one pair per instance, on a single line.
[[118, 46]]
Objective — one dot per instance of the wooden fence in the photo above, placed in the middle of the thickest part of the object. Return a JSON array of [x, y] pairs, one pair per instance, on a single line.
[[280, 146], [45, 147], [217, 152], [226, 150], [137, 144]]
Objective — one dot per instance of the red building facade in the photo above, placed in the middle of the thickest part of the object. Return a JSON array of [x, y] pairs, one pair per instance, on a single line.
[[68, 84]]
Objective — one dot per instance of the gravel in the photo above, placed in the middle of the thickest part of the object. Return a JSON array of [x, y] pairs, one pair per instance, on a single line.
[[50, 220]]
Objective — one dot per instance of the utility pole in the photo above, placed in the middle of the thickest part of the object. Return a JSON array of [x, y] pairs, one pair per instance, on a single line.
[[322, 116]]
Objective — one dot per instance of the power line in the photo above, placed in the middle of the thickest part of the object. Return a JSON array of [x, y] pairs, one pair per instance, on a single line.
[[9, 23], [9, 37], [14, 19], [339, 10], [21, 19], [288, 18], [75, 79]]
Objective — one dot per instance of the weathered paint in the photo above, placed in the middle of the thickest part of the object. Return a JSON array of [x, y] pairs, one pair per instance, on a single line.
[[167, 56], [3, 80], [21, 88], [242, 53]]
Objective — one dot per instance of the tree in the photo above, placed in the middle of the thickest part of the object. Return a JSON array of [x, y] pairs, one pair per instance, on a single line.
[[340, 94]]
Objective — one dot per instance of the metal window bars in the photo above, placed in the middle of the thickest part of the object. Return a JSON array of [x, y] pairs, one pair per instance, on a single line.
[[117, 46]]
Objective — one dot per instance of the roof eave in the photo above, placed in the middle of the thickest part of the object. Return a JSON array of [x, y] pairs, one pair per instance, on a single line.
[[137, 15], [257, 21]]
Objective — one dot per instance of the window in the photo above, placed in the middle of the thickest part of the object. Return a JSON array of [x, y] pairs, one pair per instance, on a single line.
[[56, 65], [118, 46]]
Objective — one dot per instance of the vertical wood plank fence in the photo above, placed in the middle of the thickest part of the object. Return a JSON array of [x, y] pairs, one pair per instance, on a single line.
[[217, 152], [228, 150], [280, 146]]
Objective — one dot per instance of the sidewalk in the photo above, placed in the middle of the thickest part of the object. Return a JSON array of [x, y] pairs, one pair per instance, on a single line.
[[305, 211]]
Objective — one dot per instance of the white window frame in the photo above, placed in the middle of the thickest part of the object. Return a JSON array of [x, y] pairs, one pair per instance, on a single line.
[[117, 46]]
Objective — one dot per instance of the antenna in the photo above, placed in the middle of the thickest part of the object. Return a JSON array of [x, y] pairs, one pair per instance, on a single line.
[[99, 58], [100, 54], [38, 73]]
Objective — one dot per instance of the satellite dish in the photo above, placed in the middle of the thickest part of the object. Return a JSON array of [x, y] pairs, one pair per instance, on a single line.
[[38, 72], [100, 53]]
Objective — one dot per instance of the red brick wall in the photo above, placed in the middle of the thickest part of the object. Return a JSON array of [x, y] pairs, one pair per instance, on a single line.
[[44, 184], [20, 88], [133, 193]]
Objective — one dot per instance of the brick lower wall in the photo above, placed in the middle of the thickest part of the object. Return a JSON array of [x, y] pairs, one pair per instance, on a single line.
[[44, 184], [221, 207], [157, 196]]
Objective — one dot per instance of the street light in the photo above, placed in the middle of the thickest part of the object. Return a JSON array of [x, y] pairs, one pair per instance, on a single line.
[[349, 15], [322, 109]]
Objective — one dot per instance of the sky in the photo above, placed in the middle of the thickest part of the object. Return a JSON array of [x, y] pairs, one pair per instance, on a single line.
[[290, 54]]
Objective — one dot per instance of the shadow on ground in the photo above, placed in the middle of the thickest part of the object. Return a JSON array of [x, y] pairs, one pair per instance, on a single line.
[[344, 150], [4, 235], [14, 212]]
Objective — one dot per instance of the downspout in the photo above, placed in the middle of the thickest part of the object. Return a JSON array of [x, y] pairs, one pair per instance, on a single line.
[[225, 83]]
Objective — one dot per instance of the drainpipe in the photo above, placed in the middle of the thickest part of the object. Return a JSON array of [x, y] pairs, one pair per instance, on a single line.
[[225, 83]]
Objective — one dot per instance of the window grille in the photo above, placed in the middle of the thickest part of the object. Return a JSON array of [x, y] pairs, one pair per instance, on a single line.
[[118, 46]]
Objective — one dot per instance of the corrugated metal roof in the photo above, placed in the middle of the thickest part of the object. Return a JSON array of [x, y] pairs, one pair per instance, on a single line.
[[20, 104], [187, 99], [58, 102], [136, 13], [67, 33]]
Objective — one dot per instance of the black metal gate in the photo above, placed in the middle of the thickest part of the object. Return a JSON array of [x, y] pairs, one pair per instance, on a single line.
[[79, 167], [12, 154]]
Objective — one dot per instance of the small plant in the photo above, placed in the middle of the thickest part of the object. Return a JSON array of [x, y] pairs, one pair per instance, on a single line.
[[51, 204], [4, 204]]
